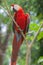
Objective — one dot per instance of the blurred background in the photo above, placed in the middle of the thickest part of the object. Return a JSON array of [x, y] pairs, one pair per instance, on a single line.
[[35, 8]]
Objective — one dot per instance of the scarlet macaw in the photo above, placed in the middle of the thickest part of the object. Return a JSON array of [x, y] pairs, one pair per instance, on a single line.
[[23, 21]]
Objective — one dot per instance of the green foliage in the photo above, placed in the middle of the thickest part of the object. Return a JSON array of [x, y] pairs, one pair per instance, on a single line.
[[34, 26], [40, 36], [35, 8], [40, 60]]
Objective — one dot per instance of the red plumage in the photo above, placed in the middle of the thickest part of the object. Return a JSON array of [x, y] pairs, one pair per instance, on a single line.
[[22, 20]]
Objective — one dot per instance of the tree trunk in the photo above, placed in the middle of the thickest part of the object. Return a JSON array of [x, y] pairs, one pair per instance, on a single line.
[[3, 46], [1, 59], [1, 56]]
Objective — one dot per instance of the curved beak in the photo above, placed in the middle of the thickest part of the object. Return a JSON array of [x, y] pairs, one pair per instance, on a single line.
[[12, 9]]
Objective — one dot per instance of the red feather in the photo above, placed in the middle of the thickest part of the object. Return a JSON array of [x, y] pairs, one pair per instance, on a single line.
[[15, 49]]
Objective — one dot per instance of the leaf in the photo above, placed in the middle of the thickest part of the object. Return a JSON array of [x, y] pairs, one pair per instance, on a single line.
[[40, 60], [40, 36], [34, 26]]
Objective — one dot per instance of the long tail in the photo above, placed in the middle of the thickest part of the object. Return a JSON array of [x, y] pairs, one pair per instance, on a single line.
[[15, 49]]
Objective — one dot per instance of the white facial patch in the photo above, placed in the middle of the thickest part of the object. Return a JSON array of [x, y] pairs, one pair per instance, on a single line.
[[16, 7]]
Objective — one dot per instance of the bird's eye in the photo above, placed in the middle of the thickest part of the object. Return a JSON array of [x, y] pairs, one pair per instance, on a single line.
[[16, 7]]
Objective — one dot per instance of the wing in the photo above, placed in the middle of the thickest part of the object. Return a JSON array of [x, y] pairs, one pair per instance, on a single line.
[[28, 22]]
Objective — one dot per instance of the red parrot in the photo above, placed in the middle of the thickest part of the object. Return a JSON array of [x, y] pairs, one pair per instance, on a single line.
[[23, 21]]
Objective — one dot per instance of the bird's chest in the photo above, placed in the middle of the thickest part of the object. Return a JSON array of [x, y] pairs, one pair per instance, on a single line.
[[20, 19]]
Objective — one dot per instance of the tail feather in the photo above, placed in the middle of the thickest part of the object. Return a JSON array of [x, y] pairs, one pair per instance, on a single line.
[[15, 49]]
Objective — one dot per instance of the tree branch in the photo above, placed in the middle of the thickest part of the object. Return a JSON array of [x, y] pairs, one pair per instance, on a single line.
[[28, 57], [36, 35]]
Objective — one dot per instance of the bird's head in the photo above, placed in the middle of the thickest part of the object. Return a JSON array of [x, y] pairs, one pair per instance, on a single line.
[[15, 7]]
